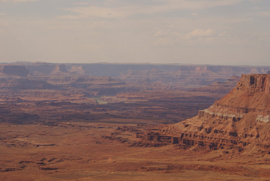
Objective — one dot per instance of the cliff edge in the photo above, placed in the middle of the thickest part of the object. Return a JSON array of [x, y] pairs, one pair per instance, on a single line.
[[13, 70], [240, 120]]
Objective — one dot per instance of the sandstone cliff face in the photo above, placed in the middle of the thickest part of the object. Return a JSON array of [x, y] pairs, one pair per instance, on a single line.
[[59, 69], [77, 70], [239, 120], [252, 92]]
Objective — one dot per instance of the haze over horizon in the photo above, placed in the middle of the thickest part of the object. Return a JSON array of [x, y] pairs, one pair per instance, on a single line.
[[231, 32]]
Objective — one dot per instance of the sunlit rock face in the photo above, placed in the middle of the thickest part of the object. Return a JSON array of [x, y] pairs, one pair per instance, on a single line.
[[240, 120]]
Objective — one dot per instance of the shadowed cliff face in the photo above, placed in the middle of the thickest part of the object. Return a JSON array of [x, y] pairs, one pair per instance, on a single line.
[[14, 70], [240, 120]]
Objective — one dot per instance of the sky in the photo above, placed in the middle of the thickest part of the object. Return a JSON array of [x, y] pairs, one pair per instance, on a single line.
[[219, 32]]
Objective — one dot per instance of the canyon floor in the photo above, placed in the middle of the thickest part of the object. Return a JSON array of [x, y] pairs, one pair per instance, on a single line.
[[81, 151], [78, 123]]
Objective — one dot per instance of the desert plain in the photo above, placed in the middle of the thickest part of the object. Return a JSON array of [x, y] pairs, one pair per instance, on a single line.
[[73, 122]]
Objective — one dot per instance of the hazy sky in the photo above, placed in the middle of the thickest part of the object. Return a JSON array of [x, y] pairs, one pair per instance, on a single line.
[[235, 32]]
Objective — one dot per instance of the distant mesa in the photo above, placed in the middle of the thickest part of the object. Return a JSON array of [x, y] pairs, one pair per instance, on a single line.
[[14, 70], [268, 72], [23, 83], [39, 68], [234, 78], [219, 86], [16, 77], [183, 77], [59, 69], [77, 70]]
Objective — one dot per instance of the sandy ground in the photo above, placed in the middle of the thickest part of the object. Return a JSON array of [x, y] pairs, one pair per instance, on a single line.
[[78, 151]]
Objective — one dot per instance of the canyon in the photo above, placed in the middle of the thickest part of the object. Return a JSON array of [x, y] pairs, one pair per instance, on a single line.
[[240, 120], [133, 122]]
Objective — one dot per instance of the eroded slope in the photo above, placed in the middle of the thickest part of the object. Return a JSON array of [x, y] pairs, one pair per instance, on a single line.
[[239, 120]]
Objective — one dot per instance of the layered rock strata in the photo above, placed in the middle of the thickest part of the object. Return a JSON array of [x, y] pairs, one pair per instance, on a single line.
[[239, 120]]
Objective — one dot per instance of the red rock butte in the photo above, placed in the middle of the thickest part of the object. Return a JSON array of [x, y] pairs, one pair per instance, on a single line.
[[240, 120]]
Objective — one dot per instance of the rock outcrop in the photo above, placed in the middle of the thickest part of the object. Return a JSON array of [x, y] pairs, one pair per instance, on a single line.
[[59, 69], [13, 70], [240, 120], [77, 70]]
